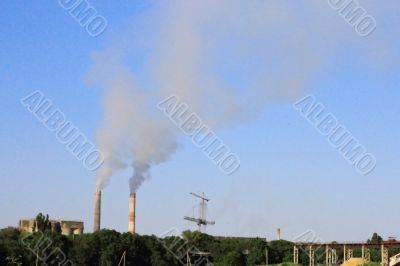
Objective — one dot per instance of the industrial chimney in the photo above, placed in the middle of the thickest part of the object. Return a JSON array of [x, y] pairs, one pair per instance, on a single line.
[[97, 211], [278, 234], [132, 210]]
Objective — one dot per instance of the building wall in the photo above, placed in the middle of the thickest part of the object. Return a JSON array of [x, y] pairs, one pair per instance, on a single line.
[[67, 227]]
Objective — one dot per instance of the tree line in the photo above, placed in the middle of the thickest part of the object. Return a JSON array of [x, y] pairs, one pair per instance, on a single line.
[[47, 246]]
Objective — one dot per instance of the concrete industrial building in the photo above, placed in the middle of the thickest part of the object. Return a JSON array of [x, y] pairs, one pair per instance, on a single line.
[[67, 227]]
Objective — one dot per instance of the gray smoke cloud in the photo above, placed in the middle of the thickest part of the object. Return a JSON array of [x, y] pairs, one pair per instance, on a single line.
[[226, 59], [132, 134]]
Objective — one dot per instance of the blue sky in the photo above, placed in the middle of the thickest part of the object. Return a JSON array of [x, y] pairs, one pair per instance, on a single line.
[[290, 177]]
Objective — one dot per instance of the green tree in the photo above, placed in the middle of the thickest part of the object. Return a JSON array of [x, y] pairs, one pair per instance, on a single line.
[[85, 250], [160, 254], [57, 228], [42, 223], [375, 252], [15, 261], [198, 240], [256, 248], [375, 239], [137, 252], [12, 252], [280, 251], [233, 258], [100, 248]]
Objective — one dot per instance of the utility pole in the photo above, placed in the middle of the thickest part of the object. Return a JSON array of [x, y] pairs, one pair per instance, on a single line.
[[123, 258]]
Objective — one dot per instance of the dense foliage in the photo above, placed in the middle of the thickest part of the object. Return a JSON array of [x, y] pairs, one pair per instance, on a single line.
[[107, 247]]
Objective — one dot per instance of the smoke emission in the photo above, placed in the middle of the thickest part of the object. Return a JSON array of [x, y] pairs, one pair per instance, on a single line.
[[226, 59]]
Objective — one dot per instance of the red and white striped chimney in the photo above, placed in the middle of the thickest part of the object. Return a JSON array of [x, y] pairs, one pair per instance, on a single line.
[[132, 209]]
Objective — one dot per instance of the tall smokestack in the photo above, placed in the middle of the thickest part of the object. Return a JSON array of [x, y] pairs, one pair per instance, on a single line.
[[278, 234], [132, 210], [97, 211]]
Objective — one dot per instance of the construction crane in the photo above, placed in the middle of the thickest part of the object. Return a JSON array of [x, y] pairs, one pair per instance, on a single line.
[[201, 220]]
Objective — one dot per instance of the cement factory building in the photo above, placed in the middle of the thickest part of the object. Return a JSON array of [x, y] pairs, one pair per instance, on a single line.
[[67, 227]]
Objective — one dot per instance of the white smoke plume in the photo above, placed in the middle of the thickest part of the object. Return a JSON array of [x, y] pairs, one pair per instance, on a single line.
[[132, 134], [226, 59]]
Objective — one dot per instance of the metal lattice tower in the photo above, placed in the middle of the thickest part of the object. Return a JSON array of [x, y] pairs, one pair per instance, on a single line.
[[349, 253], [328, 254], [334, 257], [202, 219], [312, 256], [385, 255], [365, 253], [295, 255]]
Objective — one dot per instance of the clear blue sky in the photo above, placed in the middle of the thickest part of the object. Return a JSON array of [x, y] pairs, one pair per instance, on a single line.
[[290, 177]]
